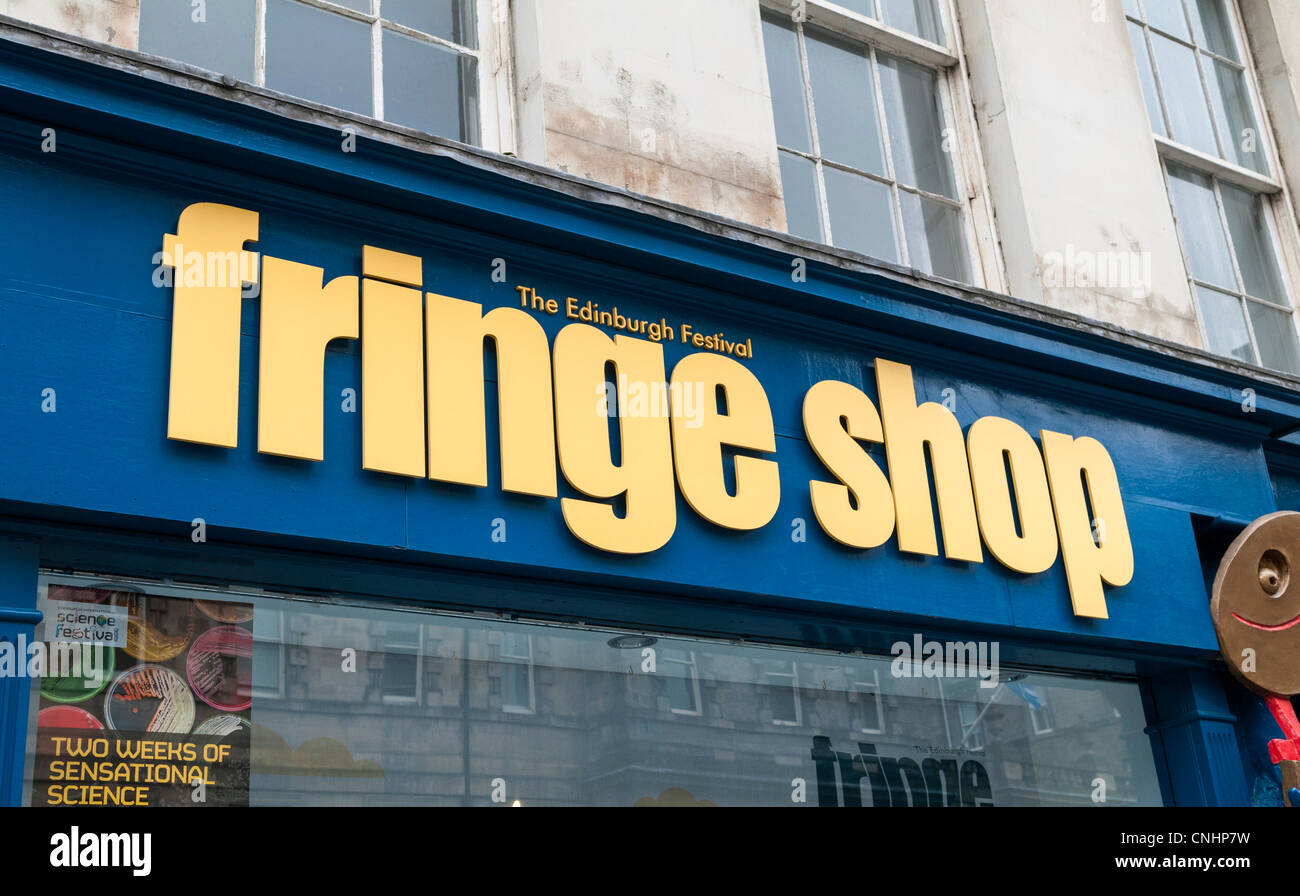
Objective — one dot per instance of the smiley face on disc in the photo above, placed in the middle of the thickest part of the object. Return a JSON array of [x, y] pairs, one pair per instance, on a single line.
[[1256, 604]]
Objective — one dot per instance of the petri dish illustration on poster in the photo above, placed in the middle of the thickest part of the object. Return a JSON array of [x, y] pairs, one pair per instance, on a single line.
[[143, 699]]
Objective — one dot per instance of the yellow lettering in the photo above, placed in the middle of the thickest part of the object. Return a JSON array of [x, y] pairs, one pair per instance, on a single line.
[[456, 331], [1033, 548], [700, 431], [835, 417], [909, 430], [299, 318], [392, 363], [994, 487], [644, 473], [203, 398], [1088, 562]]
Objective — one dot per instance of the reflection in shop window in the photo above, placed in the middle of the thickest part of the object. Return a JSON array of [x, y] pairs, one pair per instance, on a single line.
[[1041, 716], [268, 654], [679, 669], [972, 727], [401, 659], [517, 672], [783, 694], [306, 731], [867, 693]]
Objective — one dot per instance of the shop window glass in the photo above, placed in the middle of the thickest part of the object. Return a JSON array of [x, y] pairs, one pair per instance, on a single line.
[[1042, 719], [399, 663], [782, 679], [972, 734], [268, 654], [517, 672], [182, 678], [682, 681], [870, 704]]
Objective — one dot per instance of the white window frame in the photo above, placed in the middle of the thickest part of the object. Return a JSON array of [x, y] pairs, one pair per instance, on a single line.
[[793, 676], [862, 688], [1170, 147], [692, 676], [1270, 188], [511, 659], [495, 68], [984, 261], [1239, 293]]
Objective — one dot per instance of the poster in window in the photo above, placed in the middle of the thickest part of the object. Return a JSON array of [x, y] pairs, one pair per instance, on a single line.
[[144, 700]]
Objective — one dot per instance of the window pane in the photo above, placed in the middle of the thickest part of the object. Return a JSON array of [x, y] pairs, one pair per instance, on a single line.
[[1234, 115], [1189, 116], [516, 644], [871, 720], [862, 215], [403, 635], [935, 243], [919, 17], [1224, 326], [1167, 15], [785, 75], [1253, 244], [865, 7], [1202, 230], [223, 42], [319, 56], [916, 134], [401, 671], [266, 666], [678, 670], [358, 5], [268, 636], [1138, 37], [430, 88], [1131, 8], [798, 182], [681, 693], [1210, 24], [515, 692], [844, 100], [598, 736], [782, 700], [1275, 334], [451, 20]]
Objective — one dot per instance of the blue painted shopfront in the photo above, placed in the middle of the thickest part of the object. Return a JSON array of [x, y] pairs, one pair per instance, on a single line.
[[95, 484]]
